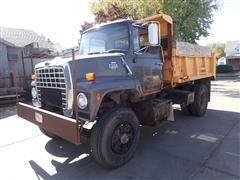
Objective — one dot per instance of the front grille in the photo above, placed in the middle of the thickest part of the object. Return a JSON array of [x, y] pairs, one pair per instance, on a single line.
[[51, 77]]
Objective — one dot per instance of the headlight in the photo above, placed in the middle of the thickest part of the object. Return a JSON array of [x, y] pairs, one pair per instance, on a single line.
[[82, 100], [34, 93], [36, 103]]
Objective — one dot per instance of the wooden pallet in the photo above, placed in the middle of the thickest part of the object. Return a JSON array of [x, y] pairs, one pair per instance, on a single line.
[[8, 95], [11, 91]]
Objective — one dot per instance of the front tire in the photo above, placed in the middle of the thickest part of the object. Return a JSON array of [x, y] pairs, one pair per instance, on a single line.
[[115, 137]]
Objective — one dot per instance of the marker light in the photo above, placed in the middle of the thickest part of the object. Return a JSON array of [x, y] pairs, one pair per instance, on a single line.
[[90, 76], [33, 77]]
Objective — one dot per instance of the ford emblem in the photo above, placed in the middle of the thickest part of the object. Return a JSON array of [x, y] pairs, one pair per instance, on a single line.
[[47, 63], [113, 66]]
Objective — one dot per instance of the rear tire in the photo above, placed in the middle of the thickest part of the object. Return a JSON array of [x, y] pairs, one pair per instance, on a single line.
[[199, 106], [186, 109], [115, 137], [50, 135]]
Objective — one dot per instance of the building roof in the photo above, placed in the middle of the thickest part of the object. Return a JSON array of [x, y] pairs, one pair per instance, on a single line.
[[22, 37], [232, 49]]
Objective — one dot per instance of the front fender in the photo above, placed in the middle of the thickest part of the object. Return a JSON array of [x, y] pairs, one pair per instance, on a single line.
[[103, 86]]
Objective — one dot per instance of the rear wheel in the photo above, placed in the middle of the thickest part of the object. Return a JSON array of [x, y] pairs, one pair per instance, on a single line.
[[115, 137], [51, 135], [186, 109], [199, 106]]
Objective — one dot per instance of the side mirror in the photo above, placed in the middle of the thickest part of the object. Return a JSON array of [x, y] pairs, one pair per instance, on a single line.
[[153, 34]]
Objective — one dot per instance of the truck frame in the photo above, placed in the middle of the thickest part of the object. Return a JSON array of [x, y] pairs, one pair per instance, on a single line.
[[128, 74]]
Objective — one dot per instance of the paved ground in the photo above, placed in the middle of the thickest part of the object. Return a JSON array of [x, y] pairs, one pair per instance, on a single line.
[[189, 148]]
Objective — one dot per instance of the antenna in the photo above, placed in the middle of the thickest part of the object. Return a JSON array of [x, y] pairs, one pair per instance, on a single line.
[[134, 3]]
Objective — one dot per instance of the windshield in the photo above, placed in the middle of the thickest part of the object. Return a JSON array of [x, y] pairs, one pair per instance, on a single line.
[[113, 37]]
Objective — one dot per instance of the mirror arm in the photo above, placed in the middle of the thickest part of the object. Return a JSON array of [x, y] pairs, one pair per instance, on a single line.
[[138, 52]]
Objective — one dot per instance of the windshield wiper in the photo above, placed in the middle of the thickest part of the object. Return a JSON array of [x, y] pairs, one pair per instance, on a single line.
[[116, 50], [94, 53], [108, 51]]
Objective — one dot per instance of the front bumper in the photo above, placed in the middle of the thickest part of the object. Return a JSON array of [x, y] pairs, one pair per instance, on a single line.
[[64, 127]]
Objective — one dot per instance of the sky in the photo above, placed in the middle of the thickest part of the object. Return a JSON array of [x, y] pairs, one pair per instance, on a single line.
[[226, 26], [60, 20]]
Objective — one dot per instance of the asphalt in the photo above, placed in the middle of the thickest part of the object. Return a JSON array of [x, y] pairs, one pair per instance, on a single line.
[[229, 74], [204, 148]]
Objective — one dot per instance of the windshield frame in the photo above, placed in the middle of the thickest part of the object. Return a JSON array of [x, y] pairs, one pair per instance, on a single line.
[[96, 28]]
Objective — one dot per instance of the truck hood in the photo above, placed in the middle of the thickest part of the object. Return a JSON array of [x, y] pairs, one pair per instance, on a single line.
[[103, 65], [59, 61]]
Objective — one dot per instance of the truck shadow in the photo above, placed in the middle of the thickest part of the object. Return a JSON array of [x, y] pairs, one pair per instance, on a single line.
[[180, 147]]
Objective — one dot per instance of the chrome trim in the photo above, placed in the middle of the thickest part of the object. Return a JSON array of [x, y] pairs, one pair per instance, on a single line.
[[69, 98], [130, 73], [56, 77]]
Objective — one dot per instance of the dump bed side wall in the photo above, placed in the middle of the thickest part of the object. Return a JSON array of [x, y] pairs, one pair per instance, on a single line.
[[182, 69]]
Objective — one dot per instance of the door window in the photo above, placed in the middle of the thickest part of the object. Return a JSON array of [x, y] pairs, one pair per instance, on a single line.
[[140, 38]]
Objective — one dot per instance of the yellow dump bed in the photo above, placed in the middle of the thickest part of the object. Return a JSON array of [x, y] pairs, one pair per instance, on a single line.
[[180, 67]]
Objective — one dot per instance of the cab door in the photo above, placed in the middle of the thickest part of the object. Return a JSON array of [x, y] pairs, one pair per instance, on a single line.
[[147, 67]]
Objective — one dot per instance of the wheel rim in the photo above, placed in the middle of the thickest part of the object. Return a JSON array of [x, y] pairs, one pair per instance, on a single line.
[[122, 138]]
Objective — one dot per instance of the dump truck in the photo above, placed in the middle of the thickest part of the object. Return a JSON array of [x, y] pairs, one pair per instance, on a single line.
[[128, 74]]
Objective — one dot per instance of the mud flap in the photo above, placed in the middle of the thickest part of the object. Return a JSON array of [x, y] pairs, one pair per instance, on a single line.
[[171, 113]]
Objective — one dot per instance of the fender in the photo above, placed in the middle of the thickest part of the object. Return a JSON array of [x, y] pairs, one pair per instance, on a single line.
[[103, 86]]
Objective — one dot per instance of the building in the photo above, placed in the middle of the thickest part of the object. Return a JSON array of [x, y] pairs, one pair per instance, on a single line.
[[68, 52], [14, 64], [232, 51], [222, 61]]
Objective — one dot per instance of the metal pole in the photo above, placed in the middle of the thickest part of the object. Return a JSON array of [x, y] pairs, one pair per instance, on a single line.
[[133, 9], [32, 66], [15, 81], [24, 72], [74, 75]]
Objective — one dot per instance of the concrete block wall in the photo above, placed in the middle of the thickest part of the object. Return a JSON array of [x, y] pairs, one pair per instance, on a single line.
[[4, 68]]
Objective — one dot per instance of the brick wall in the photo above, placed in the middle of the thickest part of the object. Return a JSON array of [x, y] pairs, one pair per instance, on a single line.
[[235, 63]]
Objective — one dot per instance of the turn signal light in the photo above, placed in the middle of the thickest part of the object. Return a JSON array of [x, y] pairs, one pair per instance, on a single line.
[[90, 76], [33, 77]]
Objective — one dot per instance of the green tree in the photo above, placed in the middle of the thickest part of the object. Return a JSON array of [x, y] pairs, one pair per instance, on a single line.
[[191, 18], [218, 49], [85, 26]]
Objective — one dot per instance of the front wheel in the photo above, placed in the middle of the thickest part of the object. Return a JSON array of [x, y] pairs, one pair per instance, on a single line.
[[115, 137]]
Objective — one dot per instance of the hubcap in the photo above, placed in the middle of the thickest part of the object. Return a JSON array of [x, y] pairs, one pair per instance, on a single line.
[[122, 138]]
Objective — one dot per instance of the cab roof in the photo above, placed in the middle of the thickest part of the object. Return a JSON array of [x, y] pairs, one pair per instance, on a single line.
[[107, 23], [159, 17]]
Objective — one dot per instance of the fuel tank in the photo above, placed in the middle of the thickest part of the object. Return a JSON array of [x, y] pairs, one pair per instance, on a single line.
[[153, 112]]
